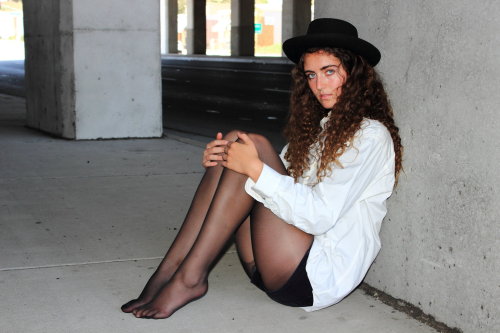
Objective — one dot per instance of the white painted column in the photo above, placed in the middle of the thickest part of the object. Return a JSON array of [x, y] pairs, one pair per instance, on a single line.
[[169, 10], [93, 68]]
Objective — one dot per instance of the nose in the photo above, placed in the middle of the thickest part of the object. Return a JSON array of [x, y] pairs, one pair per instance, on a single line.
[[320, 82]]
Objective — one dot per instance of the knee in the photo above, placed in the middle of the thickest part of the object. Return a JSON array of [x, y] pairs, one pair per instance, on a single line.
[[232, 135], [260, 141]]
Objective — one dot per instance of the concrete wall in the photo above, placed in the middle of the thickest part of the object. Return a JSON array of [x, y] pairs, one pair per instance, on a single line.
[[441, 239], [295, 18], [93, 68], [49, 80]]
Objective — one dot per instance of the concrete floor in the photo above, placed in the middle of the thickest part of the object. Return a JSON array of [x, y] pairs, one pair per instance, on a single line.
[[83, 224]]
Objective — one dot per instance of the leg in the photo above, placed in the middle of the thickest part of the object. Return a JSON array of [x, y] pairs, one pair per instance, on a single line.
[[230, 206], [184, 239], [265, 243], [243, 242], [278, 247]]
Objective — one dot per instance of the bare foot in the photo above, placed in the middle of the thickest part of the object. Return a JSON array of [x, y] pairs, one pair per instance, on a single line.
[[173, 296], [152, 287]]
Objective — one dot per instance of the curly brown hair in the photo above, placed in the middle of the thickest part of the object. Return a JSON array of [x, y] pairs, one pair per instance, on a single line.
[[362, 96]]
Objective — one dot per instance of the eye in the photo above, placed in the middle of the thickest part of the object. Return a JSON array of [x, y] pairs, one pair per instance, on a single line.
[[330, 72], [310, 75]]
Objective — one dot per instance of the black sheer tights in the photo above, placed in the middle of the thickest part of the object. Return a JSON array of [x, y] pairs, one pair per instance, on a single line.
[[221, 208]]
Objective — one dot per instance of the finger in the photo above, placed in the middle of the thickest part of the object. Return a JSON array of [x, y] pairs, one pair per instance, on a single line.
[[215, 157], [208, 163], [232, 144], [218, 136], [215, 150], [244, 137], [212, 162], [227, 147], [215, 143]]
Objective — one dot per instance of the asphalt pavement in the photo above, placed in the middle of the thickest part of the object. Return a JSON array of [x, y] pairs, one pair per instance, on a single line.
[[12, 77]]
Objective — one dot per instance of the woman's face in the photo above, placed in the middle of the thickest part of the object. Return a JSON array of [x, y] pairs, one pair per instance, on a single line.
[[325, 76]]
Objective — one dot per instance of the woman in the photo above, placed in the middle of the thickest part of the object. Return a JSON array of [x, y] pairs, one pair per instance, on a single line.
[[306, 222]]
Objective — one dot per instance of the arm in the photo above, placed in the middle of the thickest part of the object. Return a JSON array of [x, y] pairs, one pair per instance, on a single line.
[[316, 209]]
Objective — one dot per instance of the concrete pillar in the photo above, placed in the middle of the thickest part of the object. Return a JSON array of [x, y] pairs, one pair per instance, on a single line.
[[242, 27], [196, 30], [93, 68], [295, 18], [169, 10]]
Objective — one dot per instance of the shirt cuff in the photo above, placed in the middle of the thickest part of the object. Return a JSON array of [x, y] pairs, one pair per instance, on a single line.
[[265, 186]]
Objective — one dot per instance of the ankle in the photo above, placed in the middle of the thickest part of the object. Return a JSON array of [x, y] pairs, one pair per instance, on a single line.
[[167, 268], [191, 280]]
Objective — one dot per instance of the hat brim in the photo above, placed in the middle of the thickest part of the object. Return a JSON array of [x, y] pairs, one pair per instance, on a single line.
[[296, 46]]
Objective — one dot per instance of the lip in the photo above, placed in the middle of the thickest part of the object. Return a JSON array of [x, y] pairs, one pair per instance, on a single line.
[[326, 96]]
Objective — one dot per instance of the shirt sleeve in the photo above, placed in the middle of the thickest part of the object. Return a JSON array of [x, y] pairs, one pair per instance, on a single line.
[[282, 156], [316, 209]]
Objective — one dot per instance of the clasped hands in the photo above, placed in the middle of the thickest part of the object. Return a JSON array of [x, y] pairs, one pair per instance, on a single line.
[[240, 156]]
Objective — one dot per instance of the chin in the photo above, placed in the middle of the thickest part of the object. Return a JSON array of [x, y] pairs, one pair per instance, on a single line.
[[328, 105]]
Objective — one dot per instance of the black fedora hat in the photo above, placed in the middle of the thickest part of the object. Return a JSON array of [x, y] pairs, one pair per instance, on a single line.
[[329, 32]]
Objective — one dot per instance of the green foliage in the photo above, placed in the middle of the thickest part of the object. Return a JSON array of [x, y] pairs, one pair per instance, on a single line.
[[181, 6]]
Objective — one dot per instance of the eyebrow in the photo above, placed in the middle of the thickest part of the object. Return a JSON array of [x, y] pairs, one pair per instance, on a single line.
[[332, 65], [323, 68]]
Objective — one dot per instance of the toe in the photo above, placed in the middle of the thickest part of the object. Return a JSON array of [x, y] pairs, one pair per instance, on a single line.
[[128, 307], [138, 312], [145, 311], [152, 313], [160, 315]]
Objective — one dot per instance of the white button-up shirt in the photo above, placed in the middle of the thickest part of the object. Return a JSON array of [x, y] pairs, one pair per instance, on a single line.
[[344, 211]]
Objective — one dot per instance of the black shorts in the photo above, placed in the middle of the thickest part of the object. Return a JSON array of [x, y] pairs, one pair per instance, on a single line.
[[296, 292]]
